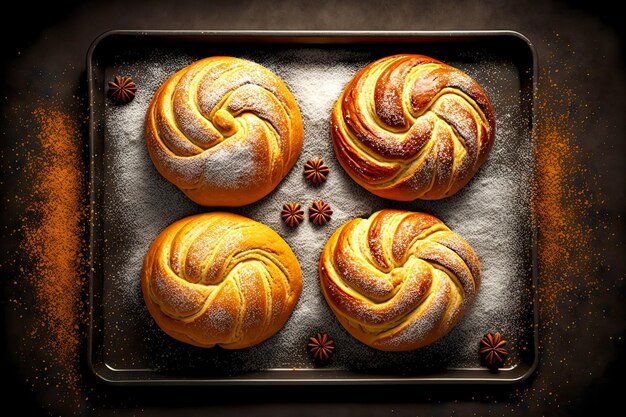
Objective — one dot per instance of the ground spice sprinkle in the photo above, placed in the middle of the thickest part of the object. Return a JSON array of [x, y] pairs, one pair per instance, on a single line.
[[52, 229]]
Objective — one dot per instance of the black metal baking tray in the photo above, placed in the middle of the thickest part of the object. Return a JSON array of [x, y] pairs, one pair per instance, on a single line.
[[125, 347]]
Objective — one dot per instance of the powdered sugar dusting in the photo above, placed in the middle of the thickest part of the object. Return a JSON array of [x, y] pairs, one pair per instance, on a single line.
[[456, 113], [420, 328], [491, 213], [222, 171]]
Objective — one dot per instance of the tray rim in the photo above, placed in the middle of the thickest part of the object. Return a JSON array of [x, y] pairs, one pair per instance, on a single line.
[[105, 373]]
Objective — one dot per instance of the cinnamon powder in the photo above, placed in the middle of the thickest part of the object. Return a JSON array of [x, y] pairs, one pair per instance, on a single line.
[[565, 199], [52, 228]]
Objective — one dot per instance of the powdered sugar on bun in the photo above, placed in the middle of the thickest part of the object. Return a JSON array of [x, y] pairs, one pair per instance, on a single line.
[[398, 280], [220, 278], [409, 127], [224, 130]]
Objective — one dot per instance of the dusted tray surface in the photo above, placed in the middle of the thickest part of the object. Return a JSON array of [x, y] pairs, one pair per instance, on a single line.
[[132, 203]]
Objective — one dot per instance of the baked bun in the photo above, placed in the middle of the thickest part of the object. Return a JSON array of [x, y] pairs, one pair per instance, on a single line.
[[398, 280], [409, 127], [220, 279], [224, 130]]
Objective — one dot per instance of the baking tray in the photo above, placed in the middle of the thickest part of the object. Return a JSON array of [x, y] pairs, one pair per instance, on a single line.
[[125, 345]]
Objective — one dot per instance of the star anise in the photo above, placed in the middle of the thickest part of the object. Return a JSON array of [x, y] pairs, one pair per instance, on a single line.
[[315, 171], [122, 89], [320, 212], [492, 350], [321, 347], [292, 214]]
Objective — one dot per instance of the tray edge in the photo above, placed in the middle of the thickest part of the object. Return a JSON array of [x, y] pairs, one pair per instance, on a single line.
[[91, 53]]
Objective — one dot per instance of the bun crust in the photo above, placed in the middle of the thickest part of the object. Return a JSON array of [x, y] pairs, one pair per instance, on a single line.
[[409, 127], [224, 130], [398, 280], [220, 279]]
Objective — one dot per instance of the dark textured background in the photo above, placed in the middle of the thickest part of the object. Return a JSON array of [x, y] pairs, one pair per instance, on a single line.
[[582, 352]]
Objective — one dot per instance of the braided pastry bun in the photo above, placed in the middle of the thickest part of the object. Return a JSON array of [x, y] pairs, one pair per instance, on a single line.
[[220, 279], [398, 280], [224, 130], [409, 126]]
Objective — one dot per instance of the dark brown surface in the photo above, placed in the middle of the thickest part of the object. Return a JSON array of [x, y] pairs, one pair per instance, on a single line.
[[582, 352]]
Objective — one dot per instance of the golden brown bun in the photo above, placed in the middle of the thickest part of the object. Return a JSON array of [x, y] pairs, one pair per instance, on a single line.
[[220, 278], [398, 280], [224, 130], [409, 126]]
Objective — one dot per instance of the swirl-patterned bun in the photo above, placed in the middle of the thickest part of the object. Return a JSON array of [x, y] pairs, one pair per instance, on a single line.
[[220, 279], [409, 127], [398, 280], [224, 130]]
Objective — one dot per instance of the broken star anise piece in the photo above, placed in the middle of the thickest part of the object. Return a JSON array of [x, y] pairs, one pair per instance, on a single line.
[[320, 212], [492, 350], [292, 214], [122, 89], [315, 171], [321, 347]]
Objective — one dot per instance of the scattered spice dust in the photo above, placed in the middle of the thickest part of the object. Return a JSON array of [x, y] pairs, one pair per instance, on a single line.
[[566, 197], [53, 241]]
